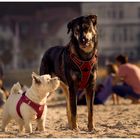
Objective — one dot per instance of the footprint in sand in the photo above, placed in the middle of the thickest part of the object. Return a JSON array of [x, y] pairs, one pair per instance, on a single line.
[[119, 125]]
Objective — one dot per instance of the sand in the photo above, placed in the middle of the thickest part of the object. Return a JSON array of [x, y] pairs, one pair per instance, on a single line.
[[112, 121]]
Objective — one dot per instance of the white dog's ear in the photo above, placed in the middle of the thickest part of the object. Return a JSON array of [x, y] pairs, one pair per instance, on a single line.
[[36, 78]]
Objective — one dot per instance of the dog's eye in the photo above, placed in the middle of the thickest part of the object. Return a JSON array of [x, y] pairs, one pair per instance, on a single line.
[[47, 79], [85, 27], [90, 30], [77, 29]]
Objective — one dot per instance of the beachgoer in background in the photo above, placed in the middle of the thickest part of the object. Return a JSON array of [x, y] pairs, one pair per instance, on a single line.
[[129, 75], [104, 91]]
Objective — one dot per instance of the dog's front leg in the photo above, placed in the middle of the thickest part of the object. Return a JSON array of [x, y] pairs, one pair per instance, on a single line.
[[28, 126], [41, 125], [71, 104], [5, 120], [89, 98], [41, 121], [21, 127], [72, 108]]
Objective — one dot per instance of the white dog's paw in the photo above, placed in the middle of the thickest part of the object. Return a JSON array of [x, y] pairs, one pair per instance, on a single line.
[[28, 131], [40, 129]]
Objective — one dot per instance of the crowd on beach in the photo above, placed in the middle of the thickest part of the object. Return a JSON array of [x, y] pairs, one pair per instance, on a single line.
[[122, 80]]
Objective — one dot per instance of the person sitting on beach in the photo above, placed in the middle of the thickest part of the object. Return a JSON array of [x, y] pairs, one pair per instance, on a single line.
[[104, 90], [129, 75]]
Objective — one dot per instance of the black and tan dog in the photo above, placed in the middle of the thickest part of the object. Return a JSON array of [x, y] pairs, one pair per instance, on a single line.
[[76, 65]]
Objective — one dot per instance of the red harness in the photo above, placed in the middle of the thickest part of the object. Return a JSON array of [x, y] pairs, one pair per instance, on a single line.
[[24, 99], [85, 69]]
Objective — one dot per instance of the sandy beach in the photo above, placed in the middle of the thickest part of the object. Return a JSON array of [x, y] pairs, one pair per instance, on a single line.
[[112, 121]]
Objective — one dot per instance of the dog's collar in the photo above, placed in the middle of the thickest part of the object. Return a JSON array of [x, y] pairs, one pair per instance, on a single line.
[[85, 68], [37, 107]]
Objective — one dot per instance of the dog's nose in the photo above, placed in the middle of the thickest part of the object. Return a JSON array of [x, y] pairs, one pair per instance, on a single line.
[[84, 40]]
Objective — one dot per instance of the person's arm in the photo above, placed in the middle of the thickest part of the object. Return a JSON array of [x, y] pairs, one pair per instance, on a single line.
[[117, 79]]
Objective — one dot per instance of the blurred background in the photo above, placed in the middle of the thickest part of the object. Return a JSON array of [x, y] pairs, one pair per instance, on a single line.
[[27, 29]]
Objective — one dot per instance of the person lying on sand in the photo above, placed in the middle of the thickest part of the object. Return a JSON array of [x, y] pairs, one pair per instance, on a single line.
[[129, 75]]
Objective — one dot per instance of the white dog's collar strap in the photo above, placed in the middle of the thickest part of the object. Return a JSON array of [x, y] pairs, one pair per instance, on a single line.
[[24, 99]]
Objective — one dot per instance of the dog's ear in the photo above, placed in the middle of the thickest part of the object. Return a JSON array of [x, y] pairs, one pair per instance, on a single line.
[[36, 78], [69, 26], [93, 18]]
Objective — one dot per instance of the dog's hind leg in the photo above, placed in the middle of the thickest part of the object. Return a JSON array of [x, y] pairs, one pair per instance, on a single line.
[[5, 120], [89, 99]]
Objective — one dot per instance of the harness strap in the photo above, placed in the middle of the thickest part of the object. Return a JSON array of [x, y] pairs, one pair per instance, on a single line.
[[85, 68], [24, 99]]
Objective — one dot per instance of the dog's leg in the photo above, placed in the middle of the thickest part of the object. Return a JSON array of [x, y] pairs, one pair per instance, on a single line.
[[66, 92], [71, 106], [28, 126], [5, 120], [89, 99], [21, 127], [41, 121], [41, 125]]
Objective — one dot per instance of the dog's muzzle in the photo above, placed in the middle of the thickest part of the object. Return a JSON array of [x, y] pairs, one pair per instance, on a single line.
[[85, 42]]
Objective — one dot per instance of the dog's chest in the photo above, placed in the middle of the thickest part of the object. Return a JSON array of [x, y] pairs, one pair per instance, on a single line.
[[81, 75], [36, 107], [77, 73]]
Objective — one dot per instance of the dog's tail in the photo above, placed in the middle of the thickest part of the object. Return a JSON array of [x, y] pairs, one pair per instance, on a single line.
[[15, 88]]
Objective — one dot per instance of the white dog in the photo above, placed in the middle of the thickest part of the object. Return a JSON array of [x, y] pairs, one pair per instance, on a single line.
[[31, 104]]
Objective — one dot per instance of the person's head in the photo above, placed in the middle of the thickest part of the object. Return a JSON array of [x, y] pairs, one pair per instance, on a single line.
[[112, 68], [121, 59]]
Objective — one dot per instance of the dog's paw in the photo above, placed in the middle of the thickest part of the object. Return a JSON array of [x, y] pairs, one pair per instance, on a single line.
[[92, 130], [76, 128], [28, 131], [40, 129]]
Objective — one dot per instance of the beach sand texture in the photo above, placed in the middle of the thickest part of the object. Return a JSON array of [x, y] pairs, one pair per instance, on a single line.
[[112, 121]]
